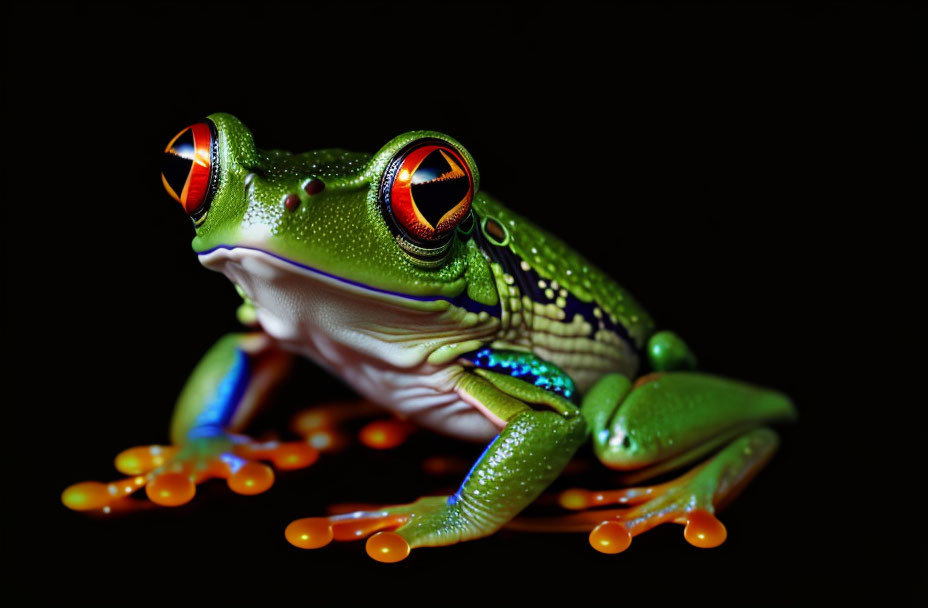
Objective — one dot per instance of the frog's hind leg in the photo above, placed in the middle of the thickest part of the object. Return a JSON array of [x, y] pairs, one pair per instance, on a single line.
[[691, 499], [662, 422]]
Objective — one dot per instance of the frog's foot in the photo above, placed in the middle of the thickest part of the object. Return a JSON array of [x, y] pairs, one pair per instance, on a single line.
[[393, 531], [323, 426], [170, 474], [690, 499]]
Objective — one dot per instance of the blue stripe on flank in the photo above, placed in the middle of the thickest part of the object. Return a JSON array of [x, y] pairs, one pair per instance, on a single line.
[[461, 300], [217, 414]]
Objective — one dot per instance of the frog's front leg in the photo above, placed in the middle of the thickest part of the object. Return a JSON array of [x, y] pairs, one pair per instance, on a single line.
[[218, 400], [529, 453]]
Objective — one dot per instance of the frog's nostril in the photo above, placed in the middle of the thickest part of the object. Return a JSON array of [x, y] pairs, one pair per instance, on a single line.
[[189, 168]]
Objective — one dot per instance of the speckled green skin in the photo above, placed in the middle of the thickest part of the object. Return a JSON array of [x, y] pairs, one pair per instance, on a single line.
[[667, 422], [553, 259], [341, 230], [517, 467]]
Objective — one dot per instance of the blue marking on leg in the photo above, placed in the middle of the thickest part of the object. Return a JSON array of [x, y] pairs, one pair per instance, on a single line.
[[232, 461], [216, 416], [457, 495]]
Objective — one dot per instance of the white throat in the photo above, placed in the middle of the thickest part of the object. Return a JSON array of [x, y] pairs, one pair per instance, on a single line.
[[366, 337]]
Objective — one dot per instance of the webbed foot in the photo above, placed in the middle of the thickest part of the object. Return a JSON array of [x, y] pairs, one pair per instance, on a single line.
[[170, 474], [391, 532], [691, 499]]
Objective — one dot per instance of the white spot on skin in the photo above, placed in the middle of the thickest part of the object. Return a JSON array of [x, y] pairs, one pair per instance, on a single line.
[[617, 439]]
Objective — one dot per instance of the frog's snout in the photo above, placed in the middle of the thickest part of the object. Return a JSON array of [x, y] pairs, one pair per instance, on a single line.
[[190, 168]]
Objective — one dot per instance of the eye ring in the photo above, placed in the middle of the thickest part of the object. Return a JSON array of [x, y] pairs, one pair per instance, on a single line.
[[425, 193], [190, 168]]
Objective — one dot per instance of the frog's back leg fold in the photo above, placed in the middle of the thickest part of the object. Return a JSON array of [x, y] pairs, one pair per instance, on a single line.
[[667, 420]]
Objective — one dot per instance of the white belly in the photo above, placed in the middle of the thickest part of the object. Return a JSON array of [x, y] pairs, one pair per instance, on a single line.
[[362, 339]]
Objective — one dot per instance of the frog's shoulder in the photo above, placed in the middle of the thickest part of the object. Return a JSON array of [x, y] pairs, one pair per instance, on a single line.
[[554, 260]]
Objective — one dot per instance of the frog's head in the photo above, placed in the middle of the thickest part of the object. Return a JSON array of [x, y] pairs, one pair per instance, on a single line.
[[386, 225]]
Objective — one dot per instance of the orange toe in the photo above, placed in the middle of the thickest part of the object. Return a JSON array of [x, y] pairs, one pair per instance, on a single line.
[[309, 532], [252, 478], [704, 530], [171, 489], [143, 459], [610, 537], [387, 547], [384, 434]]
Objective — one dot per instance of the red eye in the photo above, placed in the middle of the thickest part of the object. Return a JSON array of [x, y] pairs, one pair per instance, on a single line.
[[428, 190], [188, 168]]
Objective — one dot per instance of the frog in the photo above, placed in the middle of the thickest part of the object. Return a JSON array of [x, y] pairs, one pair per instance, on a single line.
[[396, 273]]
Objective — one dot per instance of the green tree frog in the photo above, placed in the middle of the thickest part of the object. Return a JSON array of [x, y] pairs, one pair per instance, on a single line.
[[429, 297]]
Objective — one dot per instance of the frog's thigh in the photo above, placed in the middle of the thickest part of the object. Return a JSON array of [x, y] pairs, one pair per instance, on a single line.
[[669, 419]]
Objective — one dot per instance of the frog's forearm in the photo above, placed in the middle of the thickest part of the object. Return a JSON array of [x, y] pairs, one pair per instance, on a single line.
[[517, 466], [530, 452], [226, 386], [514, 469]]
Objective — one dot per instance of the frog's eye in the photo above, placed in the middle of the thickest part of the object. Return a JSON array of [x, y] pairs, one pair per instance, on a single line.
[[189, 168], [426, 191]]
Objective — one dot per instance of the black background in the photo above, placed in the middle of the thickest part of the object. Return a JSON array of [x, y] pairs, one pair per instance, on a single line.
[[728, 163]]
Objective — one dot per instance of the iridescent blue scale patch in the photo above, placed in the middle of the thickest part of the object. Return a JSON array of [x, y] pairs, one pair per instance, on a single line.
[[526, 367]]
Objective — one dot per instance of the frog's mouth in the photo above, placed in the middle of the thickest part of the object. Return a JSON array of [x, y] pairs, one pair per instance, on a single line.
[[338, 321], [248, 267], [243, 264]]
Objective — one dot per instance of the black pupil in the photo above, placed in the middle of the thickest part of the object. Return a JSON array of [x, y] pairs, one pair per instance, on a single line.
[[437, 186], [176, 162]]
